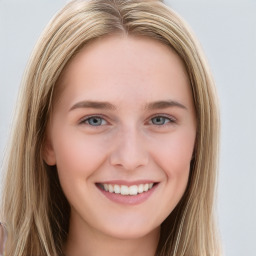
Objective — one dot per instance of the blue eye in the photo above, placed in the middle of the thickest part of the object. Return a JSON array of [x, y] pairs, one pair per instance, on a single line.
[[161, 120], [95, 121]]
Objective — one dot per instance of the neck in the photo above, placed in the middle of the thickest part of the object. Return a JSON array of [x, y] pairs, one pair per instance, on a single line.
[[90, 242]]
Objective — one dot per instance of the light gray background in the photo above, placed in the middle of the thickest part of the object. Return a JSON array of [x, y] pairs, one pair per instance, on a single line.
[[227, 31]]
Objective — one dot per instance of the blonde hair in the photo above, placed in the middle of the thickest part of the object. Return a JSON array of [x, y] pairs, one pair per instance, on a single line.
[[35, 209]]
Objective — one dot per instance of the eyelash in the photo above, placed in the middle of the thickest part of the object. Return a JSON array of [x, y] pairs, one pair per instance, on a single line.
[[86, 120], [167, 120], [170, 120]]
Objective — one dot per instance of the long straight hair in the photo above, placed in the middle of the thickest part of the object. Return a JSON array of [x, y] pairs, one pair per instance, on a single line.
[[35, 210]]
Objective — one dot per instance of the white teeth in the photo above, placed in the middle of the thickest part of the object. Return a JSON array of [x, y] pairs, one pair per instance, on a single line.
[[133, 190], [146, 187], [125, 190], [141, 188], [110, 188], [117, 189], [105, 187]]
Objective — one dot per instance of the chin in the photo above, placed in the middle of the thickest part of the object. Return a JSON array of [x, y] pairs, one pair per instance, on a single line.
[[133, 232]]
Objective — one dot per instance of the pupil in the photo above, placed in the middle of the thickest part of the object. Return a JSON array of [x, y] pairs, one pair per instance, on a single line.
[[95, 121], [158, 120]]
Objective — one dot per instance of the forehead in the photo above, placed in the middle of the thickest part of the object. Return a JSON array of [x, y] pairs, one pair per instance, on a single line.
[[128, 53], [119, 65]]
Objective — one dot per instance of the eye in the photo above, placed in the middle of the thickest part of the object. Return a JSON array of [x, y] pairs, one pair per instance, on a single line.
[[94, 121], [161, 120]]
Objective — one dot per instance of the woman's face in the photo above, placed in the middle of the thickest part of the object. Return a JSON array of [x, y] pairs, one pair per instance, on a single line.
[[122, 135]]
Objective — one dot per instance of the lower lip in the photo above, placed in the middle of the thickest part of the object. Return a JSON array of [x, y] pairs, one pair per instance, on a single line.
[[127, 199]]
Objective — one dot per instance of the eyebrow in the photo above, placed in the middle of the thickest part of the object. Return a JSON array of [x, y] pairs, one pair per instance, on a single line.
[[93, 104], [108, 106], [164, 104]]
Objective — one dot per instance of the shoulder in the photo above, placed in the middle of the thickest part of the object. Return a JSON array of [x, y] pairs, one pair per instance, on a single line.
[[3, 236]]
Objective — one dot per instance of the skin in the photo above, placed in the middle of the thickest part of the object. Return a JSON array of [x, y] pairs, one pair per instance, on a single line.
[[128, 143]]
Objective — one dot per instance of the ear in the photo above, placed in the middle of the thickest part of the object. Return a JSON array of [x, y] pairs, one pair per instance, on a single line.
[[48, 152]]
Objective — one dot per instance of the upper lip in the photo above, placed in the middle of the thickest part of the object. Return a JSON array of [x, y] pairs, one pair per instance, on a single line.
[[127, 183]]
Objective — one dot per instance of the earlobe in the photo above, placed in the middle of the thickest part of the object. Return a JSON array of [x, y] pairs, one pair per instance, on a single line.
[[48, 153]]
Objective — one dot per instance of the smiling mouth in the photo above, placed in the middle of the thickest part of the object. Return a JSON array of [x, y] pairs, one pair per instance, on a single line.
[[126, 190]]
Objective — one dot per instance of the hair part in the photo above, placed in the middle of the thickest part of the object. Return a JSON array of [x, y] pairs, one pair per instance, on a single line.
[[39, 219]]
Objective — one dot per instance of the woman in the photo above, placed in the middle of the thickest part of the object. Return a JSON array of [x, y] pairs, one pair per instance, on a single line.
[[115, 142]]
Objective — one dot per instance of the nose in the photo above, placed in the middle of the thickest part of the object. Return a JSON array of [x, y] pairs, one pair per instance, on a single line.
[[129, 151]]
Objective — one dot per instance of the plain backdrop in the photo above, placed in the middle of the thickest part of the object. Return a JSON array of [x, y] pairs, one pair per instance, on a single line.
[[227, 32]]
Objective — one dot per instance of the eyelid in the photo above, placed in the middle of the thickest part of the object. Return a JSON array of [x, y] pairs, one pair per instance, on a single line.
[[171, 118], [85, 118]]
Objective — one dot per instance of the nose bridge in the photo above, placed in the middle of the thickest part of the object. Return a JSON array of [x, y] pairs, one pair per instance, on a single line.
[[130, 150]]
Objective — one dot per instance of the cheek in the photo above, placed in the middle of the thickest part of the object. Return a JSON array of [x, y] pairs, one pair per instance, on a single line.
[[78, 155], [173, 153]]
